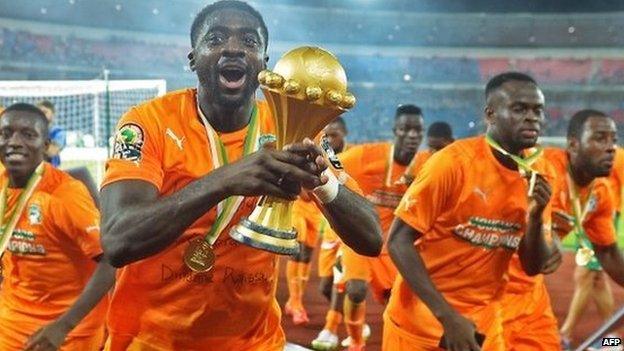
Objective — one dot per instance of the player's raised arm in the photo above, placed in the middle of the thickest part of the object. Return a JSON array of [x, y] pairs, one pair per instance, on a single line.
[[534, 251], [352, 216]]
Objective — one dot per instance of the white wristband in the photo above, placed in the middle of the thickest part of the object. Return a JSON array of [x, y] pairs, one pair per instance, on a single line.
[[327, 192]]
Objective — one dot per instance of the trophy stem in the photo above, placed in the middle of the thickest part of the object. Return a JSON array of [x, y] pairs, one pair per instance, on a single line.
[[269, 227]]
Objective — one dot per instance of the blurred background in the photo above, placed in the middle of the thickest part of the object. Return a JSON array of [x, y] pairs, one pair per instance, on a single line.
[[436, 54]]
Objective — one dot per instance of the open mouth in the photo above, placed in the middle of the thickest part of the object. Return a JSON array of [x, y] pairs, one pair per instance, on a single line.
[[232, 77], [14, 157]]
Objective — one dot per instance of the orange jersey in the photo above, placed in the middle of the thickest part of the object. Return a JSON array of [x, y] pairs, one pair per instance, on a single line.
[[181, 310], [616, 179], [598, 223], [419, 161], [233, 306], [472, 214], [367, 164], [50, 256], [307, 218]]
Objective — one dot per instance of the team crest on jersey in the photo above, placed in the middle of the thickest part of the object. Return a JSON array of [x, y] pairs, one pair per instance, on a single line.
[[34, 214], [129, 141]]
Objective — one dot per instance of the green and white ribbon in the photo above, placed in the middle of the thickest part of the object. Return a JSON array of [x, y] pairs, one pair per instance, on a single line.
[[6, 229], [524, 164], [580, 212], [228, 207]]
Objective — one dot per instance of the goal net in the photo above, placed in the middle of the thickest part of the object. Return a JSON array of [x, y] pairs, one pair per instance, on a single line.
[[88, 110]]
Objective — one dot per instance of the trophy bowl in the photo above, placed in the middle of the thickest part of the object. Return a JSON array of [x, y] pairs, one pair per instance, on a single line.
[[306, 90]]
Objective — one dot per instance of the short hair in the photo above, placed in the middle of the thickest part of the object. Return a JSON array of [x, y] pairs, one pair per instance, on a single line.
[[498, 80], [440, 130], [47, 104], [575, 128], [341, 122], [34, 110], [408, 109], [227, 4]]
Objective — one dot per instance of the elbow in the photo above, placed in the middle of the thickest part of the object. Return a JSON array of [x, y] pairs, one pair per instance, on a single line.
[[116, 250], [116, 254], [531, 272], [530, 268], [375, 246]]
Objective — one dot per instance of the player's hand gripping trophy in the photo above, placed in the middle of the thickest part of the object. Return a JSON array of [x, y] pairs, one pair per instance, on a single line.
[[306, 90]]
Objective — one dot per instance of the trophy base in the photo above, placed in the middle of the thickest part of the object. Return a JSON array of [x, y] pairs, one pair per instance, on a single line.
[[272, 240]]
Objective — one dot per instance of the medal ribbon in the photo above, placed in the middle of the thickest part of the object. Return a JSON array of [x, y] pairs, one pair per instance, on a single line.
[[524, 164], [388, 178], [579, 212], [228, 207], [6, 230]]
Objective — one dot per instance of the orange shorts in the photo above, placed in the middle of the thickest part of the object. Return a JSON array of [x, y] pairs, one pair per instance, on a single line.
[[529, 322], [488, 320], [308, 226], [379, 271], [13, 337], [330, 244]]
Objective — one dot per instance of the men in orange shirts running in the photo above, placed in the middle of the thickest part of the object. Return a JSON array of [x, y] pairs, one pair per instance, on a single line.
[[175, 159], [377, 168], [50, 296], [471, 207]]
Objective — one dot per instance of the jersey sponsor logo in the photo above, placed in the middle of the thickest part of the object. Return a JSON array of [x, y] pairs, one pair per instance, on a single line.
[[489, 233], [175, 138], [23, 243], [129, 142], [385, 198]]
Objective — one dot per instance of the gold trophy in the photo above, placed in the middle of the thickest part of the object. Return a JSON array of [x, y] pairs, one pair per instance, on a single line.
[[306, 90]]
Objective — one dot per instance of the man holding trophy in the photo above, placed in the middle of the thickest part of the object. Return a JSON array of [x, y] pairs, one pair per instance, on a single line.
[[185, 178]]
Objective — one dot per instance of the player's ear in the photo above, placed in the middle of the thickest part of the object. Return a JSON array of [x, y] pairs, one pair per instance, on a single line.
[[191, 58], [265, 61], [573, 145], [488, 111]]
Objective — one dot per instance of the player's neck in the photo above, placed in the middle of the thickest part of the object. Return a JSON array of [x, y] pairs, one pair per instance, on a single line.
[[18, 181], [403, 157], [225, 119], [580, 176], [503, 159]]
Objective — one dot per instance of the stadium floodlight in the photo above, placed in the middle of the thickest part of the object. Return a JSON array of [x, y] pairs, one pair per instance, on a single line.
[[88, 110]]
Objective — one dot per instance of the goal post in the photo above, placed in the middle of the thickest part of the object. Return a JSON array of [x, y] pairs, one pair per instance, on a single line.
[[87, 110]]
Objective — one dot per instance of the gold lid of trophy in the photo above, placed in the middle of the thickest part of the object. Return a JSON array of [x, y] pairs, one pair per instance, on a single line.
[[312, 74]]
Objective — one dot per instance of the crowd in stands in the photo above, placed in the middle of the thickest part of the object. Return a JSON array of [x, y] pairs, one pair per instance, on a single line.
[[448, 87]]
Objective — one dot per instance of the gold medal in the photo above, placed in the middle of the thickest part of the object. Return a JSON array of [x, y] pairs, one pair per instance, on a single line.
[[583, 256], [199, 256]]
